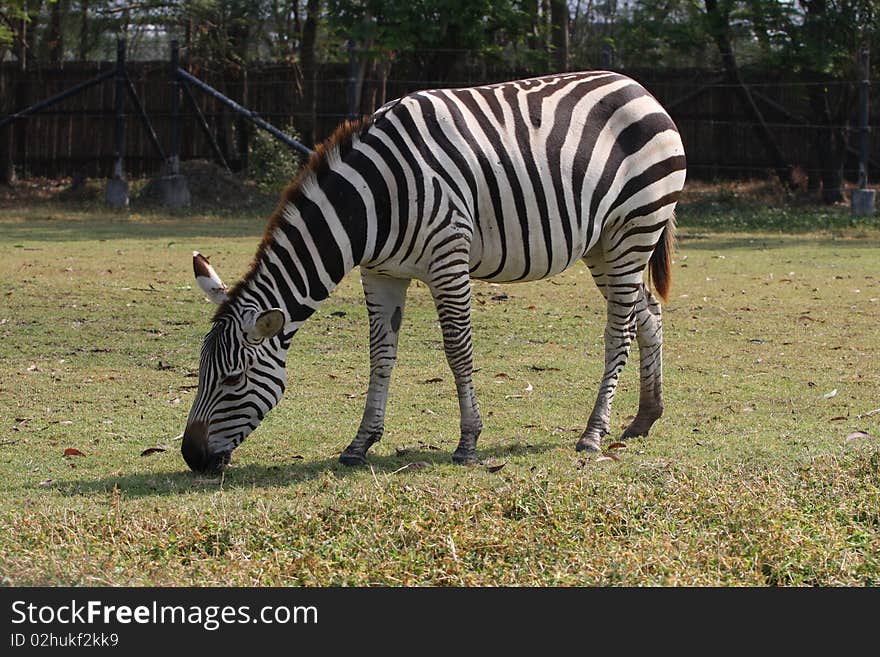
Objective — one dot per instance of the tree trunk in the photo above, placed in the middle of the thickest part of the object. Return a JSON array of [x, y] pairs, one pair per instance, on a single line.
[[83, 51], [719, 25], [559, 19], [829, 143], [7, 169], [54, 35], [308, 127]]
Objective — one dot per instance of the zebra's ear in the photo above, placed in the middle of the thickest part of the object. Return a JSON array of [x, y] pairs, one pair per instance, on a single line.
[[208, 279], [266, 324]]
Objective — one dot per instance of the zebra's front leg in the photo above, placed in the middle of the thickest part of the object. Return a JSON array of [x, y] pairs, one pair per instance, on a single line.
[[452, 297], [385, 299], [619, 333]]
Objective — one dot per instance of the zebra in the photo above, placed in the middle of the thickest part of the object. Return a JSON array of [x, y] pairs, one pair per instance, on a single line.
[[507, 182]]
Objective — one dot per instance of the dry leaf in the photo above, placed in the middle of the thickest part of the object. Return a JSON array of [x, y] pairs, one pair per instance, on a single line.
[[828, 395], [73, 451], [858, 434], [45, 483], [152, 450], [436, 379], [297, 456], [528, 388], [837, 418], [608, 456], [495, 468], [502, 375], [617, 445]]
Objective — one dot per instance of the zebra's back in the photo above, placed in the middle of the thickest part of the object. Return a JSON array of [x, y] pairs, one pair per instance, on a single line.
[[539, 166]]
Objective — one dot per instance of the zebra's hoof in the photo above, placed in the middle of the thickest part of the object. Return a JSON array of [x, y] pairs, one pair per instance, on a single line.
[[352, 458], [587, 444], [462, 457]]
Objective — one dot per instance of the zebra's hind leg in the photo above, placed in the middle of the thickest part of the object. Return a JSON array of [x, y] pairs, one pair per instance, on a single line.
[[649, 333], [385, 298], [621, 295], [451, 289]]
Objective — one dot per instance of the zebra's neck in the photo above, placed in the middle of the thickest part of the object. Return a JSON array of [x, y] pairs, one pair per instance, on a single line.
[[316, 237]]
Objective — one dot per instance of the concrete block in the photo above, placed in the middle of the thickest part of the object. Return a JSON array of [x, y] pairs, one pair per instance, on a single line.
[[863, 203], [116, 193], [175, 191]]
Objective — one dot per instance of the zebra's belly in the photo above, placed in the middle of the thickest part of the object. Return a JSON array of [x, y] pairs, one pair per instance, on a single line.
[[528, 255]]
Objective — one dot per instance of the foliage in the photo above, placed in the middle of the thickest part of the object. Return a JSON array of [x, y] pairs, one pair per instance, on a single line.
[[271, 163], [432, 28]]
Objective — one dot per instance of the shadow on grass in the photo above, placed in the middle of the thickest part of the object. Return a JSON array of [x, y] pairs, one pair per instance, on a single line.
[[710, 242], [151, 484]]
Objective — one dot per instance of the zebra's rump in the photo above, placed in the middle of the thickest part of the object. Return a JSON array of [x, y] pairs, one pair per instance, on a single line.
[[540, 167]]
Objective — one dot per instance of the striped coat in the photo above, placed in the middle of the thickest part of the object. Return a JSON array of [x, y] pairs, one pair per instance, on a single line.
[[508, 182]]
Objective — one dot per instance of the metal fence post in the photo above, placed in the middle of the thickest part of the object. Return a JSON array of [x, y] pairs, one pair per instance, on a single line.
[[863, 199], [174, 160], [351, 86], [173, 186], [116, 193]]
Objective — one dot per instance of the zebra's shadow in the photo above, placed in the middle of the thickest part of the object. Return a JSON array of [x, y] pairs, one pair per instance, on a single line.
[[418, 462]]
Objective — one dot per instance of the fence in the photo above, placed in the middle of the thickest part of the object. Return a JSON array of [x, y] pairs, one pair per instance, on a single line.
[[76, 137]]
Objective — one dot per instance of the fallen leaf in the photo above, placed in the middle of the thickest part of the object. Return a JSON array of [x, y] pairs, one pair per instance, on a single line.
[[528, 388], [857, 434], [530, 307], [502, 375], [610, 455], [837, 419], [495, 468], [297, 456], [436, 379], [338, 313], [45, 483], [617, 445], [828, 395], [152, 450], [501, 297], [73, 451]]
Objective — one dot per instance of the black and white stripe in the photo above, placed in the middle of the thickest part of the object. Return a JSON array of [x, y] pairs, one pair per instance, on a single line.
[[507, 182]]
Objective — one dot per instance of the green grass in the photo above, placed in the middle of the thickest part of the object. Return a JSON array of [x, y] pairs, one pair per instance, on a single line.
[[748, 479]]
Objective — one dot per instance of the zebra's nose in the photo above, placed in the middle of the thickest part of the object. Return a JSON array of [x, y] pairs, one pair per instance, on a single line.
[[195, 446]]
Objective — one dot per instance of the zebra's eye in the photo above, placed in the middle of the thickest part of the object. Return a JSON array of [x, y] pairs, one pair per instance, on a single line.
[[233, 379]]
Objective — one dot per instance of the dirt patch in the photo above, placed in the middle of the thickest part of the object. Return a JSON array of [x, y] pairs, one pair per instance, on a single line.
[[210, 186]]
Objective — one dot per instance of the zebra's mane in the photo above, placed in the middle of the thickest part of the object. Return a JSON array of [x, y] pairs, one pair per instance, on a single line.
[[332, 148]]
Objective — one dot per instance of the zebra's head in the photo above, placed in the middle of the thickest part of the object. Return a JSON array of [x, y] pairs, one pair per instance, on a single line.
[[241, 375]]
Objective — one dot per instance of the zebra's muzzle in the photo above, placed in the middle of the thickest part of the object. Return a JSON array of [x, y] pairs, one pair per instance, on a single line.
[[196, 452]]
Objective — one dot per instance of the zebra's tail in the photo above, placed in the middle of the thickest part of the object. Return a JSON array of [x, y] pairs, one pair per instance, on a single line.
[[660, 265]]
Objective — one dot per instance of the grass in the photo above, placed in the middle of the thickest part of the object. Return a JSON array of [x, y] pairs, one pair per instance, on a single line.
[[747, 480]]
